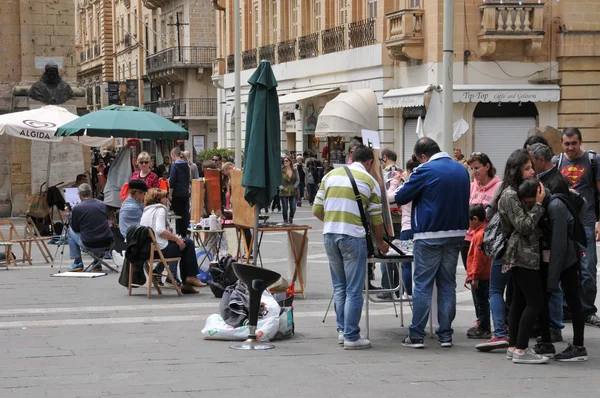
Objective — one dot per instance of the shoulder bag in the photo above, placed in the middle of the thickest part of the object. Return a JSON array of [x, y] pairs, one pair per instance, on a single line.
[[361, 209]]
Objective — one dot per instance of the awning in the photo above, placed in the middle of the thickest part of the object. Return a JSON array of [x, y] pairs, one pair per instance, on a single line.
[[348, 114], [287, 103], [413, 96]]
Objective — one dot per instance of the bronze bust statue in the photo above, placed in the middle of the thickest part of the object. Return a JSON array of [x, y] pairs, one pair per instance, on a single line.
[[51, 89]]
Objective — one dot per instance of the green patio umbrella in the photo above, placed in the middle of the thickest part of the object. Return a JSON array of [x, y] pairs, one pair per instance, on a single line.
[[124, 122], [262, 150]]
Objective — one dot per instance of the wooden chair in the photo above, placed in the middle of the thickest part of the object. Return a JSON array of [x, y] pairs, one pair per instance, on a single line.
[[32, 235], [149, 265], [8, 251]]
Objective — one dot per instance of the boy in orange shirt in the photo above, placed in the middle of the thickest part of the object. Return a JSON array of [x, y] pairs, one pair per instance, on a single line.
[[478, 274], [163, 182]]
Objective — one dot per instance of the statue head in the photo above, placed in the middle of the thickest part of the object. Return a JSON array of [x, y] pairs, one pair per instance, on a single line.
[[51, 76]]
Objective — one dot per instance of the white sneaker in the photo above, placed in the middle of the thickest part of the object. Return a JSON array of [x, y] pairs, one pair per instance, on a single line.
[[341, 338], [117, 259], [359, 344]]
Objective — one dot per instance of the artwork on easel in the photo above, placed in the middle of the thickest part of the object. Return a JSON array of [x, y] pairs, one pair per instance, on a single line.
[[243, 214]]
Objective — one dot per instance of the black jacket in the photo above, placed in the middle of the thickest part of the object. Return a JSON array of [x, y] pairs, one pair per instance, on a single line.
[[138, 251], [564, 250], [555, 182]]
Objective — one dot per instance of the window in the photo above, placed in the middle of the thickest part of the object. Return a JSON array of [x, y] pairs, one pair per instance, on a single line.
[[98, 26], [274, 21], [155, 39], [171, 32], [343, 12], [293, 25], [415, 3], [128, 24], [163, 33], [256, 26], [318, 15], [372, 9], [122, 28]]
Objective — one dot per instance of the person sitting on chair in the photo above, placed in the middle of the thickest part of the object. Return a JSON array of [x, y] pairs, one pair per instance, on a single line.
[[89, 229], [155, 216], [131, 212]]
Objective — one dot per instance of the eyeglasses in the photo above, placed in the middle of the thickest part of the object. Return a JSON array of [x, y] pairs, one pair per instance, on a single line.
[[286, 160], [215, 159], [143, 162]]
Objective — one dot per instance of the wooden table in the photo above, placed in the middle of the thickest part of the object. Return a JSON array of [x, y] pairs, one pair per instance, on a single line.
[[297, 251]]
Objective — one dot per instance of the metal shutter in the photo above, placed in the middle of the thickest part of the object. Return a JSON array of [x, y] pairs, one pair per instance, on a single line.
[[410, 139], [498, 137]]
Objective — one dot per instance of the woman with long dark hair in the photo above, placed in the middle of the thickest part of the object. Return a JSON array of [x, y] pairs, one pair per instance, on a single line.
[[289, 192]]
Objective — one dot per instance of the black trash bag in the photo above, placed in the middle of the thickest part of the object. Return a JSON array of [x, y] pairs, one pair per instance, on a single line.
[[222, 275]]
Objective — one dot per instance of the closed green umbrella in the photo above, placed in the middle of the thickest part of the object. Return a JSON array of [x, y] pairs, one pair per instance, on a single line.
[[262, 151], [125, 122]]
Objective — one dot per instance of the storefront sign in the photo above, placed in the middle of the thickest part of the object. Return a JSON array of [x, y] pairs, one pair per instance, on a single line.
[[407, 101], [199, 143], [540, 95]]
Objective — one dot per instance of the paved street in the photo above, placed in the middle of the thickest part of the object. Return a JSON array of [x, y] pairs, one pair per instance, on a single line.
[[64, 338]]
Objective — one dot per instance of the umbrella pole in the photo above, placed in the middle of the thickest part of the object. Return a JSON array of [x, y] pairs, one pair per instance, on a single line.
[[255, 238], [49, 164]]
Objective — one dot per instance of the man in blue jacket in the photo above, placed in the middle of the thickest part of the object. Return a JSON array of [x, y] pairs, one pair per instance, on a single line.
[[439, 192]]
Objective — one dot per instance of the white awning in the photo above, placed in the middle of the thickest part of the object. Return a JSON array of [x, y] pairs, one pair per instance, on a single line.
[[413, 96], [287, 103], [348, 114]]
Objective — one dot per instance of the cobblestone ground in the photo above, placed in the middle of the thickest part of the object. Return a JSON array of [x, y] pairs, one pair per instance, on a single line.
[[63, 337]]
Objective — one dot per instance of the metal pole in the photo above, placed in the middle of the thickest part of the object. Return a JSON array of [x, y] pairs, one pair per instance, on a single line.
[[448, 53], [178, 24], [237, 84], [49, 166]]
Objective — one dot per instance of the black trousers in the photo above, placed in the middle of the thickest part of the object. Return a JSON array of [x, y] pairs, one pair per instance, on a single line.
[[181, 207], [481, 301], [188, 266], [464, 252], [527, 303], [571, 284]]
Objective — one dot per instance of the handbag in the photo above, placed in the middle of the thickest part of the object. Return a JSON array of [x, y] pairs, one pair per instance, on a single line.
[[494, 239], [37, 205], [361, 209]]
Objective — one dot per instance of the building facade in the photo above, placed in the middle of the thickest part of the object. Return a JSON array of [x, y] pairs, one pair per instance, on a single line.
[[181, 39], [33, 34], [517, 66]]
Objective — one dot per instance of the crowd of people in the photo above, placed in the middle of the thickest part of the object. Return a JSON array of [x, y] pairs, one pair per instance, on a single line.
[[546, 210]]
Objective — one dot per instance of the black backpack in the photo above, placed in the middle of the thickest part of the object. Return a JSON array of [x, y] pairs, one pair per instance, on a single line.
[[577, 206], [222, 275]]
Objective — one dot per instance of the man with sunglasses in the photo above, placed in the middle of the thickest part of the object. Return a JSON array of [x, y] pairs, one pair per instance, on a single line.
[[218, 159]]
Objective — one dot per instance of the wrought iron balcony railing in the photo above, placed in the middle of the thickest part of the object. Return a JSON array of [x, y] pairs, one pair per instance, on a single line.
[[308, 46], [333, 39], [286, 51], [184, 107], [362, 33], [249, 59], [181, 57], [267, 53]]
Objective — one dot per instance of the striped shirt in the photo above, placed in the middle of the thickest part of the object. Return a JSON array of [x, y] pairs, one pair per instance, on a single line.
[[336, 200]]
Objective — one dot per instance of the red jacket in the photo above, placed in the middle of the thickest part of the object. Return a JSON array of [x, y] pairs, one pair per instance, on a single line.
[[478, 264]]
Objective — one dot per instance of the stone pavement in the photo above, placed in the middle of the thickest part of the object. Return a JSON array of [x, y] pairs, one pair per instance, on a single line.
[[64, 338]]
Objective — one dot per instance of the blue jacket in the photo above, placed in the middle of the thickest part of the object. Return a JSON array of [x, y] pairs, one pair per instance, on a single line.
[[439, 191], [179, 178], [129, 215]]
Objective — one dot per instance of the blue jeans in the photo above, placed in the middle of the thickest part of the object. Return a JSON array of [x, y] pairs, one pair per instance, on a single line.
[[347, 263], [390, 275], [498, 282], [288, 202], [434, 260], [588, 273], [75, 246]]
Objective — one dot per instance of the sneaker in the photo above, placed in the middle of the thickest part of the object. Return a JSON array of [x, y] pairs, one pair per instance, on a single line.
[[530, 357], [97, 268], [593, 320], [509, 354], [445, 344], [107, 256], [341, 338], [117, 259], [413, 343], [76, 267], [572, 354], [359, 344], [545, 349], [479, 333], [472, 328], [494, 343], [555, 337]]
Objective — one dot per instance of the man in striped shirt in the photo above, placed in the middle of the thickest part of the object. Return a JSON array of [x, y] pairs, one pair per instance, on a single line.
[[345, 239]]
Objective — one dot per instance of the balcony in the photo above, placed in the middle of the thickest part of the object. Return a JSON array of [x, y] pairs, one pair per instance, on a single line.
[[308, 46], [333, 40], [167, 65], [404, 35], [362, 33], [249, 59], [154, 4], [218, 67], [511, 21], [267, 53], [286, 51], [184, 108]]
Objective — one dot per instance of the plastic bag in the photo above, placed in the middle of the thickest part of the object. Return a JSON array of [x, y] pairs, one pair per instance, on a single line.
[[216, 329]]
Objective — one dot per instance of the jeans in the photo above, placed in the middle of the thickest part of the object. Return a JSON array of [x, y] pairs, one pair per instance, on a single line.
[[554, 308], [288, 202], [588, 273], [75, 246], [498, 284], [312, 192], [181, 207], [527, 303], [347, 263], [434, 260], [481, 300]]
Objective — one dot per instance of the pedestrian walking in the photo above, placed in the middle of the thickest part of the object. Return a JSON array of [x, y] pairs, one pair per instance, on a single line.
[[288, 193]]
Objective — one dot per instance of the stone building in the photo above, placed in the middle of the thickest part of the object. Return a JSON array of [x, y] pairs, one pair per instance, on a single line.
[[33, 34], [517, 65], [182, 43]]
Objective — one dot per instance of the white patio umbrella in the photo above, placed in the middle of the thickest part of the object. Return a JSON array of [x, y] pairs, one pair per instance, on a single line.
[[41, 124], [348, 114]]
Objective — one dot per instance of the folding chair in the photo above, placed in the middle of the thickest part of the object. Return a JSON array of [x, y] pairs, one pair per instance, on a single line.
[[8, 251], [32, 235], [149, 265], [98, 257]]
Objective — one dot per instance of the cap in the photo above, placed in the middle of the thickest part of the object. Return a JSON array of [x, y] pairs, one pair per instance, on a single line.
[[139, 185]]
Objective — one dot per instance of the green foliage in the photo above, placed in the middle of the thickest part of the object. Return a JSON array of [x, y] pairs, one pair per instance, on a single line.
[[209, 153]]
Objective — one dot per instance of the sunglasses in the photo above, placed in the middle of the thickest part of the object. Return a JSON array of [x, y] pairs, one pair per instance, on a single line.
[[215, 159], [286, 161], [143, 162]]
